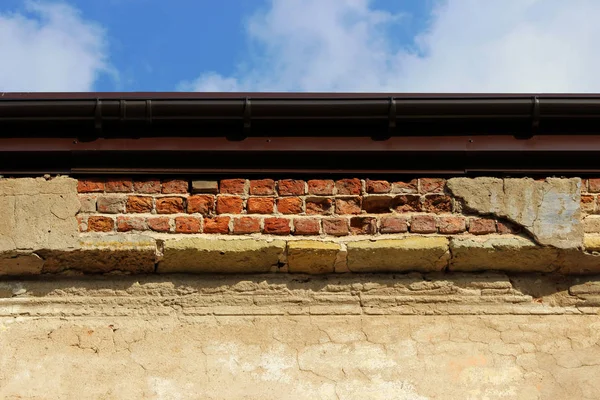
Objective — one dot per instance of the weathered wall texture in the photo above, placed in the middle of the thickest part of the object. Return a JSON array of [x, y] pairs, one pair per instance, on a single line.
[[350, 357], [466, 288], [315, 226], [435, 336]]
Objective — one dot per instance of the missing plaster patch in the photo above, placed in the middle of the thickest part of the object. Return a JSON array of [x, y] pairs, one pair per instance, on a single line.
[[548, 210]]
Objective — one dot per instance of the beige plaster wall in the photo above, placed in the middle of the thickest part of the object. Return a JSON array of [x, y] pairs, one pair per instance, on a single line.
[[504, 315]]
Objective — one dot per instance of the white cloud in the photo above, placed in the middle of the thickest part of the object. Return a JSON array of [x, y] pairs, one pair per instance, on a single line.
[[50, 47], [469, 46]]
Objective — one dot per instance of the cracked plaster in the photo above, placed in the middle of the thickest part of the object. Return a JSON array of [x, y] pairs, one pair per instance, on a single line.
[[548, 210], [301, 357]]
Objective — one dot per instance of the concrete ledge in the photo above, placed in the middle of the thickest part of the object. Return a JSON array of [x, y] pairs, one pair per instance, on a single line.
[[591, 242], [312, 256], [101, 254], [574, 262], [511, 254], [16, 263], [200, 255], [422, 253], [133, 253]]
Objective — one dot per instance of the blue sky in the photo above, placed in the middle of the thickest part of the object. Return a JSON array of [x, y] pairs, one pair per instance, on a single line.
[[300, 45], [154, 44]]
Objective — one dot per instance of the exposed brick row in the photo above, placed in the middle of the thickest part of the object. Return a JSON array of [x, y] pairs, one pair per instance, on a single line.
[[265, 187], [288, 206], [340, 226], [126, 185], [329, 187], [110, 203]]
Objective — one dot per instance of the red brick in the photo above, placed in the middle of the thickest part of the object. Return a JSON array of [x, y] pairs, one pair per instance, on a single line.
[[437, 203], [149, 186], [246, 225], [173, 186], [594, 185], [232, 186], [335, 226], [377, 204], [139, 204], [187, 225], [318, 206], [306, 226], [452, 225], [588, 203], [262, 187], [423, 224], [349, 186], [289, 205], [203, 204], [260, 205], [119, 185], [159, 224], [111, 204], [348, 205], [406, 203], [585, 186], [230, 205], [90, 185], [393, 225], [320, 187], [363, 225], [405, 187], [277, 226], [482, 226], [126, 224], [379, 187], [100, 224], [505, 227], [169, 205], [291, 187], [216, 225], [432, 185]]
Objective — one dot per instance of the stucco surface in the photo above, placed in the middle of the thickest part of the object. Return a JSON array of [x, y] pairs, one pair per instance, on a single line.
[[292, 336], [548, 209], [301, 357], [38, 213]]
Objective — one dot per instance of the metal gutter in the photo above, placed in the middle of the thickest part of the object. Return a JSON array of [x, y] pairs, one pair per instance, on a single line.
[[103, 110], [287, 133]]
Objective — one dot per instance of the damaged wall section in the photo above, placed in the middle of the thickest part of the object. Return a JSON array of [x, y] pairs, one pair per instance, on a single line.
[[317, 226]]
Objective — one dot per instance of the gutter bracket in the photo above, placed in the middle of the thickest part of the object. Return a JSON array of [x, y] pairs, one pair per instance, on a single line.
[[391, 122], [535, 115], [392, 114], [247, 115], [122, 110], [148, 112], [98, 116]]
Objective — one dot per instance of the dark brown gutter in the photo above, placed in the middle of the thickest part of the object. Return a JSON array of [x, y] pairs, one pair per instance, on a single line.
[[215, 133], [104, 111]]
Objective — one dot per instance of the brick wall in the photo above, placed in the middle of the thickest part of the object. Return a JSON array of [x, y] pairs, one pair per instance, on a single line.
[[313, 207], [108, 224]]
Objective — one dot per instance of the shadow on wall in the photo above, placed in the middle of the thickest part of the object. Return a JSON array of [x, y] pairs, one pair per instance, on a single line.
[[410, 287]]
